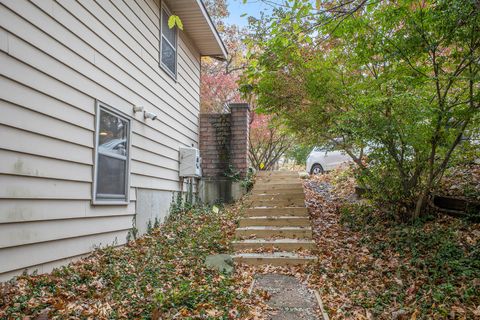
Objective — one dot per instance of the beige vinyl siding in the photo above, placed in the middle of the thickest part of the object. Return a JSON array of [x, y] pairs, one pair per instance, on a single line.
[[16, 163], [17, 139], [15, 116], [41, 231], [25, 210], [38, 49], [24, 96], [58, 58], [17, 258]]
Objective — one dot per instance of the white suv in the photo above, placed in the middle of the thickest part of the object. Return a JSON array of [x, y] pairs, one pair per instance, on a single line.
[[320, 160]]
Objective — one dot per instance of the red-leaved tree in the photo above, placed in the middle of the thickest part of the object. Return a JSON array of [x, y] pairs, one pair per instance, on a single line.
[[268, 142], [218, 81]]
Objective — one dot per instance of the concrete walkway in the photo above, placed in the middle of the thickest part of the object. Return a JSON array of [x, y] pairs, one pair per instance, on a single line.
[[290, 299]]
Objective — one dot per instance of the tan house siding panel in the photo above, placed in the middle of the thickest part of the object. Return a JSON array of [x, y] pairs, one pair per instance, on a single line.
[[37, 101], [153, 146], [154, 5], [148, 11], [72, 77], [17, 258], [15, 163], [154, 159], [58, 58], [18, 234], [19, 187], [190, 55], [147, 29], [24, 210], [130, 46], [41, 268], [35, 79], [19, 117], [91, 77], [3, 40], [154, 183], [27, 142], [187, 76], [149, 51], [154, 171]]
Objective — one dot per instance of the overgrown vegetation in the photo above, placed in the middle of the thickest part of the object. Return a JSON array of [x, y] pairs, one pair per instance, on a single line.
[[235, 175], [299, 153], [397, 79], [439, 264], [375, 266], [158, 276]]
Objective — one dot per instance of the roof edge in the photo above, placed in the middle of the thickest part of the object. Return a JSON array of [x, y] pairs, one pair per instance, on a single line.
[[214, 31]]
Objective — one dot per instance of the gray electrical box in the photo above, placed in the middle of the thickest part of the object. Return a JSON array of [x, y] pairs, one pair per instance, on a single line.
[[190, 162]]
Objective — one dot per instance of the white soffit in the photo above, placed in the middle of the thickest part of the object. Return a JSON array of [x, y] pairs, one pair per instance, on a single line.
[[199, 27]]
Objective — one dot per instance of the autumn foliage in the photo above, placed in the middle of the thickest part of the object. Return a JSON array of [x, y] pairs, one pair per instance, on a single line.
[[268, 143]]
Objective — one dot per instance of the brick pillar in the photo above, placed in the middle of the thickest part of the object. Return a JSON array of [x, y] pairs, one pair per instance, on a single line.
[[215, 139], [239, 122]]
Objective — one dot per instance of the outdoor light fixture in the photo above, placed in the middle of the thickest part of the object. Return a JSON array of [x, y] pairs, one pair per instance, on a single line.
[[149, 115], [137, 109]]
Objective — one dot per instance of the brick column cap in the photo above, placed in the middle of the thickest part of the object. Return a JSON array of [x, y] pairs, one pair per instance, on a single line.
[[240, 105]]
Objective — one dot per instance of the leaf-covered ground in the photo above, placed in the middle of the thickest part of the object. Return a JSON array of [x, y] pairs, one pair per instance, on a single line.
[[462, 181], [374, 267], [159, 276]]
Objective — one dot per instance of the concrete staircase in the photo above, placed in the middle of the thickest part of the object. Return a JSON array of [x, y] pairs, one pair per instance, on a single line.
[[276, 228]]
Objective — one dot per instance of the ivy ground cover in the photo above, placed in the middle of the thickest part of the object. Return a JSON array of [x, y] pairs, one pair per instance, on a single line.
[[158, 276]]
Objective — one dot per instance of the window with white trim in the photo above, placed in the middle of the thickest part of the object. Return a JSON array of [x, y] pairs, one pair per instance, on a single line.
[[111, 181], [168, 44]]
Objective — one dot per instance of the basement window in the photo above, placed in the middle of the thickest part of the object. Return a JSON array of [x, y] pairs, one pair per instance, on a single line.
[[112, 148], [168, 44]]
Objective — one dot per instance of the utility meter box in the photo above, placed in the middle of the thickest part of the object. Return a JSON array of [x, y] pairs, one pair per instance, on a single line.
[[190, 162]]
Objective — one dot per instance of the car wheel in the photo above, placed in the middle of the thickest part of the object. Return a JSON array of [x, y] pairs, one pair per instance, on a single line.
[[316, 169]]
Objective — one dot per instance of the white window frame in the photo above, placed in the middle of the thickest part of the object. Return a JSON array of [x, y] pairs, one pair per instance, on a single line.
[[162, 38], [113, 199]]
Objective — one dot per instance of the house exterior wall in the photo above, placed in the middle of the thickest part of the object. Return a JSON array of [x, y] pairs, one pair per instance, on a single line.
[[57, 58]]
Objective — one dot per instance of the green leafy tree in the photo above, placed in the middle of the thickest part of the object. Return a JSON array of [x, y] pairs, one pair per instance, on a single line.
[[299, 153], [399, 77]]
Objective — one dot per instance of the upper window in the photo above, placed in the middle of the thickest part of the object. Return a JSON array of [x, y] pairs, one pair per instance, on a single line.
[[168, 45], [111, 158]]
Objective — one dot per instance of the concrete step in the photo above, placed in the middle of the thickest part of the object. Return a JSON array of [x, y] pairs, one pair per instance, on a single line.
[[281, 244], [275, 221], [269, 232], [274, 185], [287, 199], [277, 203], [277, 174], [279, 188], [266, 190], [277, 180], [289, 211], [279, 195], [275, 259]]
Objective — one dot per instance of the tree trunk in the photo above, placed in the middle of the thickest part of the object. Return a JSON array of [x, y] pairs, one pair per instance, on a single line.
[[421, 204]]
